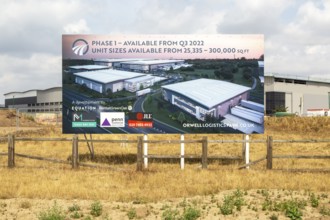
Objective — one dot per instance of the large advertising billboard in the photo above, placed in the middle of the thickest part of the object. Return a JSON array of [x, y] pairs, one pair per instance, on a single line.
[[163, 84]]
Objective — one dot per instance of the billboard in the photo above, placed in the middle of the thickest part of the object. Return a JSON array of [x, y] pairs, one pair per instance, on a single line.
[[163, 84]]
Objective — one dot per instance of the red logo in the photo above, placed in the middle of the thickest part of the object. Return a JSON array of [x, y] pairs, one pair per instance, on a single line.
[[139, 116]]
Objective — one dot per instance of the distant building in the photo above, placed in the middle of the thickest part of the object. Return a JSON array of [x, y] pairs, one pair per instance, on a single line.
[[147, 66], [203, 97], [296, 94], [85, 68], [114, 63], [47, 100]]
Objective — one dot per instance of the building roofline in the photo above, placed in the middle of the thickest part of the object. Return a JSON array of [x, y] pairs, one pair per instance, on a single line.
[[37, 90], [306, 78], [222, 91]]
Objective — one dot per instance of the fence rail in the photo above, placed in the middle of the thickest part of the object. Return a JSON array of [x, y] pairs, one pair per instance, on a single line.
[[142, 155]]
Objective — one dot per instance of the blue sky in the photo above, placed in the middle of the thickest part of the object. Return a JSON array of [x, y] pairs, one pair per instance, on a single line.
[[296, 31]]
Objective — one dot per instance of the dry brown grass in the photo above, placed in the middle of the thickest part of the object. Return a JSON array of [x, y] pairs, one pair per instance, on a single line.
[[163, 180]]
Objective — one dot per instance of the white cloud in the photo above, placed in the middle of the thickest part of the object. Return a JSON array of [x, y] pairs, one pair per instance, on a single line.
[[303, 46], [79, 27]]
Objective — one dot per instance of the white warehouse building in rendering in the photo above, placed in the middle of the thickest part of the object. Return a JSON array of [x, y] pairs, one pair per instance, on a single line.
[[112, 80], [205, 96], [104, 80], [147, 66]]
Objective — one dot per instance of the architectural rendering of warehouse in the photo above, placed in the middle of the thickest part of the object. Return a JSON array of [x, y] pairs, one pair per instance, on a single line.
[[205, 96], [114, 63], [84, 68], [147, 66], [104, 80], [296, 94], [48, 100], [134, 84]]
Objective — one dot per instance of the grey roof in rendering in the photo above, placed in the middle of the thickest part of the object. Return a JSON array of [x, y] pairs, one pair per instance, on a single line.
[[88, 67], [118, 60], [152, 62], [108, 76], [140, 79], [208, 92]]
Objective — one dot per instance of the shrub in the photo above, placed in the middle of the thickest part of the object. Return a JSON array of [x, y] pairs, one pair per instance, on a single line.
[[170, 214], [131, 214], [273, 217], [325, 211], [232, 201], [191, 214], [96, 209], [25, 205], [292, 209], [73, 208], [228, 206], [53, 213], [76, 215], [314, 200]]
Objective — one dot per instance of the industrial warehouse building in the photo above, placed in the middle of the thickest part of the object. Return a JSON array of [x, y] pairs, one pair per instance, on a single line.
[[135, 84], [205, 96], [85, 68], [114, 63], [104, 80], [298, 94], [48, 100], [147, 66]]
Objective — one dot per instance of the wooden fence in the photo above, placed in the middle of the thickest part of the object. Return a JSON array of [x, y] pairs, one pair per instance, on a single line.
[[142, 155]]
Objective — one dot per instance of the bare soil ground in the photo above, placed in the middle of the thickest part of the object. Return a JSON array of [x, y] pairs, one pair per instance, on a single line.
[[255, 204]]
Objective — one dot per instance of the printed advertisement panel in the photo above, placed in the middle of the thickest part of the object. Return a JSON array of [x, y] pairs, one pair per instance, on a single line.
[[163, 84]]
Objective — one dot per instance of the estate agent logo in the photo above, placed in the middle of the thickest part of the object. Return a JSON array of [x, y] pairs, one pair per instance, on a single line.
[[112, 119], [80, 47]]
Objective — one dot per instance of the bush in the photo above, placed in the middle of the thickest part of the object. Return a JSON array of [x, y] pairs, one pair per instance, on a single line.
[[314, 200], [96, 209], [76, 215], [191, 214], [228, 206], [131, 214], [232, 201], [170, 214], [25, 205], [73, 208], [53, 213]]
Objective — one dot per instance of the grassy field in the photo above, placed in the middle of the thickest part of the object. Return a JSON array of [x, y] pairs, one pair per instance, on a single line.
[[163, 181]]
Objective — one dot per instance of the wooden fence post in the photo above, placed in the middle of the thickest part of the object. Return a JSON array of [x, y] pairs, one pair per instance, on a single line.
[[139, 155], [75, 153], [11, 151], [269, 152], [204, 153]]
